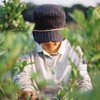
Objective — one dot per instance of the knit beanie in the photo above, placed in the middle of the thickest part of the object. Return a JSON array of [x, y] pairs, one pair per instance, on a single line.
[[49, 20]]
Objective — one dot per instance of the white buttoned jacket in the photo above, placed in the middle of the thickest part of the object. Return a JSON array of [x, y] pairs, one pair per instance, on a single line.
[[52, 69]]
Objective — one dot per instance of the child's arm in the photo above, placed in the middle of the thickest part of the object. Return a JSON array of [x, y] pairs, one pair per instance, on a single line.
[[84, 82], [23, 79]]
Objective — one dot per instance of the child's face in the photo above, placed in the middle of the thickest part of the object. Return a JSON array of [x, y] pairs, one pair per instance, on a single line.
[[51, 47]]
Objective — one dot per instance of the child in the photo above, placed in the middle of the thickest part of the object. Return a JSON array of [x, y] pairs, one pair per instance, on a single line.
[[50, 56]]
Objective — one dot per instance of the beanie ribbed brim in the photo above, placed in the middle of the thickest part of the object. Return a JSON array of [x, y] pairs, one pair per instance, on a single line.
[[42, 37]]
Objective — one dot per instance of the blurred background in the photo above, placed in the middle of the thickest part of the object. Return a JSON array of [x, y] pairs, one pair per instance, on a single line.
[[68, 5]]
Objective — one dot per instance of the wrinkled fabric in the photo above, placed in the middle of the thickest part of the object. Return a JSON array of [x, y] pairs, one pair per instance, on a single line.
[[54, 70]]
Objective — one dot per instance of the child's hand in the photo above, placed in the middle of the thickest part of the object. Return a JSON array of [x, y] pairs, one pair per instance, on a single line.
[[27, 95]]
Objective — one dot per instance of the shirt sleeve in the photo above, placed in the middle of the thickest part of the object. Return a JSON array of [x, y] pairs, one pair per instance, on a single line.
[[84, 82], [23, 79]]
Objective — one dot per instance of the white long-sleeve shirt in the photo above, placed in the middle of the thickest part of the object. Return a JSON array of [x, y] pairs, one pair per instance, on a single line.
[[52, 69]]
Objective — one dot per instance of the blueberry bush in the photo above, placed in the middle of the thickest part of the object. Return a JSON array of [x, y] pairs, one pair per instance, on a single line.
[[15, 35]]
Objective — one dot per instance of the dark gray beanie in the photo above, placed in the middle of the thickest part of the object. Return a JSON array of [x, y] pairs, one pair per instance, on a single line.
[[49, 20]]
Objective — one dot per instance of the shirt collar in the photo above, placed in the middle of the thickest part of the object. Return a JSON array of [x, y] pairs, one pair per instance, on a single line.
[[61, 49]]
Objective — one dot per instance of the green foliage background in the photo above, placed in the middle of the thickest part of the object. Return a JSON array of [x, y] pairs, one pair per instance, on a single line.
[[15, 34]]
